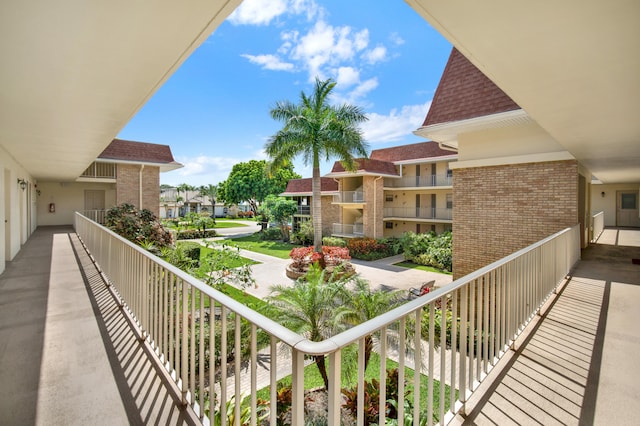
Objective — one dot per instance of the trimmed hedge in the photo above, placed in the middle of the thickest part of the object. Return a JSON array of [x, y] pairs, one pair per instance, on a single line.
[[191, 234]]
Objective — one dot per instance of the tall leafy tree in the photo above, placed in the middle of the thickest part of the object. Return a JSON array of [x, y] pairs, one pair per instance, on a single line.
[[315, 129], [279, 210], [251, 182]]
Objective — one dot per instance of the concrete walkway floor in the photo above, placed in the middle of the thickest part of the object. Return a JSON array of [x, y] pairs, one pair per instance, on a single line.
[[68, 356], [578, 363]]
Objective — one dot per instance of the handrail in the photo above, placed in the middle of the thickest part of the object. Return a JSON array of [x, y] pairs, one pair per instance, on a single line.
[[491, 305], [597, 226]]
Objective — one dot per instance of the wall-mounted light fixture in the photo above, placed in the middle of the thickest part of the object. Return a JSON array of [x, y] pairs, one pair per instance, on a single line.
[[602, 193], [22, 183]]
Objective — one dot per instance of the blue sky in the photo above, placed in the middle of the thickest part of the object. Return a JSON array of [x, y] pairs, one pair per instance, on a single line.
[[214, 111]]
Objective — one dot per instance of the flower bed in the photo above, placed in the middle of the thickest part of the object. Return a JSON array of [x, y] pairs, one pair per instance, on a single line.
[[334, 257]]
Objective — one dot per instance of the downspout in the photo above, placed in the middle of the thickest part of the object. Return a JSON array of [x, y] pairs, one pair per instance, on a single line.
[[140, 187], [375, 205]]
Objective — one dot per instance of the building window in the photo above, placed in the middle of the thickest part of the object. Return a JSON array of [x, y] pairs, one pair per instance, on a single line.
[[388, 225], [449, 201], [388, 197]]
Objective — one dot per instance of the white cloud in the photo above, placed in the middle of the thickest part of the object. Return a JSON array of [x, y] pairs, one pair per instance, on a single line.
[[269, 62], [375, 55], [396, 125], [325, 45], [396, 39], [347, 76], [262, 12], [201, 170]]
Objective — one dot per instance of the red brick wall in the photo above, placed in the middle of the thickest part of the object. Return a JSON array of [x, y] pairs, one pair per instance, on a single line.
[[128, 186], [498, 210]]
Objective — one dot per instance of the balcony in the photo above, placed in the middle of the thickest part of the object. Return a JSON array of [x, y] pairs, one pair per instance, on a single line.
[[304, 210], [418, 213], [348, 230], [349, 197], [554, 337], [99, 171], [409, 182]]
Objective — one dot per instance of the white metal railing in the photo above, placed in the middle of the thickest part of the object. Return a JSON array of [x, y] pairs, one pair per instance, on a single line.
[[100, 170], [597, 226], [304, 210], [491, 307], [348, 229], [419, 181], [96, 215], [349, 197], [418, 213]]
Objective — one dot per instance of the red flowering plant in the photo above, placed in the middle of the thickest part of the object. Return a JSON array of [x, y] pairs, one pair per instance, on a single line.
[[302, 257]]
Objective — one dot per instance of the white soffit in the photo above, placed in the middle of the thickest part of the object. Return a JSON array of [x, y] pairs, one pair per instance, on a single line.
[[573, 65], [75, 72]]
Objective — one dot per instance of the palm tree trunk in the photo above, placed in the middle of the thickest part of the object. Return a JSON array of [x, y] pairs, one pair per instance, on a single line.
[[322, 367], [317, 208]]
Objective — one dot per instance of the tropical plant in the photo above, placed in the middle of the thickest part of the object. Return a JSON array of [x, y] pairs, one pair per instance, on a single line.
[[364, 304], [308, 307], [138, 226], [315, 129], [210, 191]]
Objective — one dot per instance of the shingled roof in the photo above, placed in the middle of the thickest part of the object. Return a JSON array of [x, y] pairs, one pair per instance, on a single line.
[[368, 166], [465, 92], [143, 152], [303, 186], [410, 152]]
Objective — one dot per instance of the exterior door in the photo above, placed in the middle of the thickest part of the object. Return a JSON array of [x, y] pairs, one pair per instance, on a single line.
[[627, 209], [94, 204]]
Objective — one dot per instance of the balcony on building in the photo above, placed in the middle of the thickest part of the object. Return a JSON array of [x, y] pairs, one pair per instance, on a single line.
[[419, 213], [349, 197], [444, 181], [99, 171], [348, 230]]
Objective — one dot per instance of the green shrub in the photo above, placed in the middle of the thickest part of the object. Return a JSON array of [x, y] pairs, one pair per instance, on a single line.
[[191, 234], [367, 249], [334, 241], [304, 236], [271, 234], [137, 226], [191, 250], [428, 249]]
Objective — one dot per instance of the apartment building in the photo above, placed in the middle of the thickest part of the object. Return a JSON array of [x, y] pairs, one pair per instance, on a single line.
[[398, 189], [300, 191], [124, 172]]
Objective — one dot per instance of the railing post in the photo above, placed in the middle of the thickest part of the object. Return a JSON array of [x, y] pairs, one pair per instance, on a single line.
[[297, 387]]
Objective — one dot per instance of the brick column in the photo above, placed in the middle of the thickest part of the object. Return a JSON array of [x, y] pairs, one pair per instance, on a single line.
[[498, 210]]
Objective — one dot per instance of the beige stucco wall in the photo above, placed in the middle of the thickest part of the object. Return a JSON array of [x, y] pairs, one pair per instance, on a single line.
[[17, 208], [68, 198], [524, 139], [608, 202]]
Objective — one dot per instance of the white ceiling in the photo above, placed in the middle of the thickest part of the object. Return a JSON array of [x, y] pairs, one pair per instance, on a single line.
[[572, 65], [74, 72]]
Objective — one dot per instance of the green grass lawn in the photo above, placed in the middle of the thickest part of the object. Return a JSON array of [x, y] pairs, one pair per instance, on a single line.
[[421, 267], [254, 243], [227, 224], [232, 263], [312, 379]]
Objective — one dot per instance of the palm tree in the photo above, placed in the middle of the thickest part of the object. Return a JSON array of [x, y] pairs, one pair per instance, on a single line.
[[308, 307], [315, 129], [364, 304], [210, 191]]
